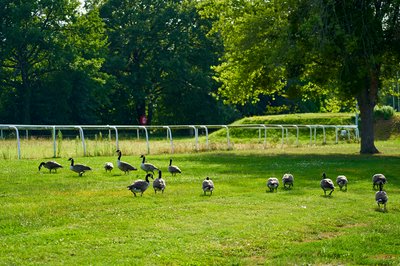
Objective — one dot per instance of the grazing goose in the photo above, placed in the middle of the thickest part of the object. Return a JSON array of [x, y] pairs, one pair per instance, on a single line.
[[381, 197], [147, 167], [378, 179], [287, 179], [51, 165], [78, 168], [341, 181], [140, 186], [159, 183], [208, 186], [124, 166], [173, 169], [327, 184], [108, 166], [273, 184]]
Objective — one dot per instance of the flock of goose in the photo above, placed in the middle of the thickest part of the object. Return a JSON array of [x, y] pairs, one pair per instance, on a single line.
[[378, 180], [140, 186]]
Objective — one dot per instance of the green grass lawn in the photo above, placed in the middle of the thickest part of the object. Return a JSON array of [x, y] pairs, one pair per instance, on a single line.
[[63, 219]]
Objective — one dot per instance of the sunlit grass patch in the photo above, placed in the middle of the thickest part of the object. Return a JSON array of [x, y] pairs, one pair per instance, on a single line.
[[47, 218]]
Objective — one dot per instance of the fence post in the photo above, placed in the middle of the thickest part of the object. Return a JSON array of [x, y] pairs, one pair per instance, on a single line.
[[116, 136], [170, 137], [54, 142], [147, 138], [227, 136], [283, 135], [206, 130], [82, 139], [18, 141], [196, 136], [265, 136]]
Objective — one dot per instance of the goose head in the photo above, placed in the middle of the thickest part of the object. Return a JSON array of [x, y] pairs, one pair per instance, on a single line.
[[119, 154], [147, 177], [41, 164]]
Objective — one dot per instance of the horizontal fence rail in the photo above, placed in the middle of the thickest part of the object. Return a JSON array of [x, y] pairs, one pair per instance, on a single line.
[[343, 130]]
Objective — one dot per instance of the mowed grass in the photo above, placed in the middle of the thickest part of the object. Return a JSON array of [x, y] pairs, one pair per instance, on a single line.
[[63, 219]]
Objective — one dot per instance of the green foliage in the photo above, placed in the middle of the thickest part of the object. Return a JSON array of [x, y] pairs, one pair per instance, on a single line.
[[386, 112], [160, 57], [329, 49], [52, 218], [49, 52], [250, 32]]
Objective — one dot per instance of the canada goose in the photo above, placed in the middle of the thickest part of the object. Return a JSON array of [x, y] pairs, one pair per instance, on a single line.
[[208, 185], [273, 184], [287, 179], [341, 181], [50, 165], [173, 169], [147, 167], [327, 184], [140, 185], [78, 168], [108, 166], [124, 166], [159, 183], [381, 197], [378, 179]]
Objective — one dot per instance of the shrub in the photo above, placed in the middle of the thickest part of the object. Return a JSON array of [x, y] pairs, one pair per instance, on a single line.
[[385, 111]]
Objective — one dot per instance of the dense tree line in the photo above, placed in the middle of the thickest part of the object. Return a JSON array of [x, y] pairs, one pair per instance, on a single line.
[[110, 62], [192, 62]]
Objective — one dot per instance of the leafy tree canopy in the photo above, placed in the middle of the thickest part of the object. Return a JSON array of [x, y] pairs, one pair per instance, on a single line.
[[307, 47]]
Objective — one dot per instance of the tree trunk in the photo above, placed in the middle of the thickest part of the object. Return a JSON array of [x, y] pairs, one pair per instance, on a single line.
[[366, 101]]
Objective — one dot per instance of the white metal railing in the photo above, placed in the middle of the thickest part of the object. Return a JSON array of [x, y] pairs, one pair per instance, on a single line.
[[284, 128]]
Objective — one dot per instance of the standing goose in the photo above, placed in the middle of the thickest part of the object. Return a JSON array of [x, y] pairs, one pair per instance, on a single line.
[[208, 186], [51, 165], [273, 184], [287, 179], [173, 169], [159, 183], [78, 168], [140, 186], [124, 166], [377, 180], [381, 197], [147, 167], [327, 184], [108, 166], [341, 181]]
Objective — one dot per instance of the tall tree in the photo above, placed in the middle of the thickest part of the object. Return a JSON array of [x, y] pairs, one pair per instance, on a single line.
[[42, 43], [31, 42], [160, 58], [344, 47]]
